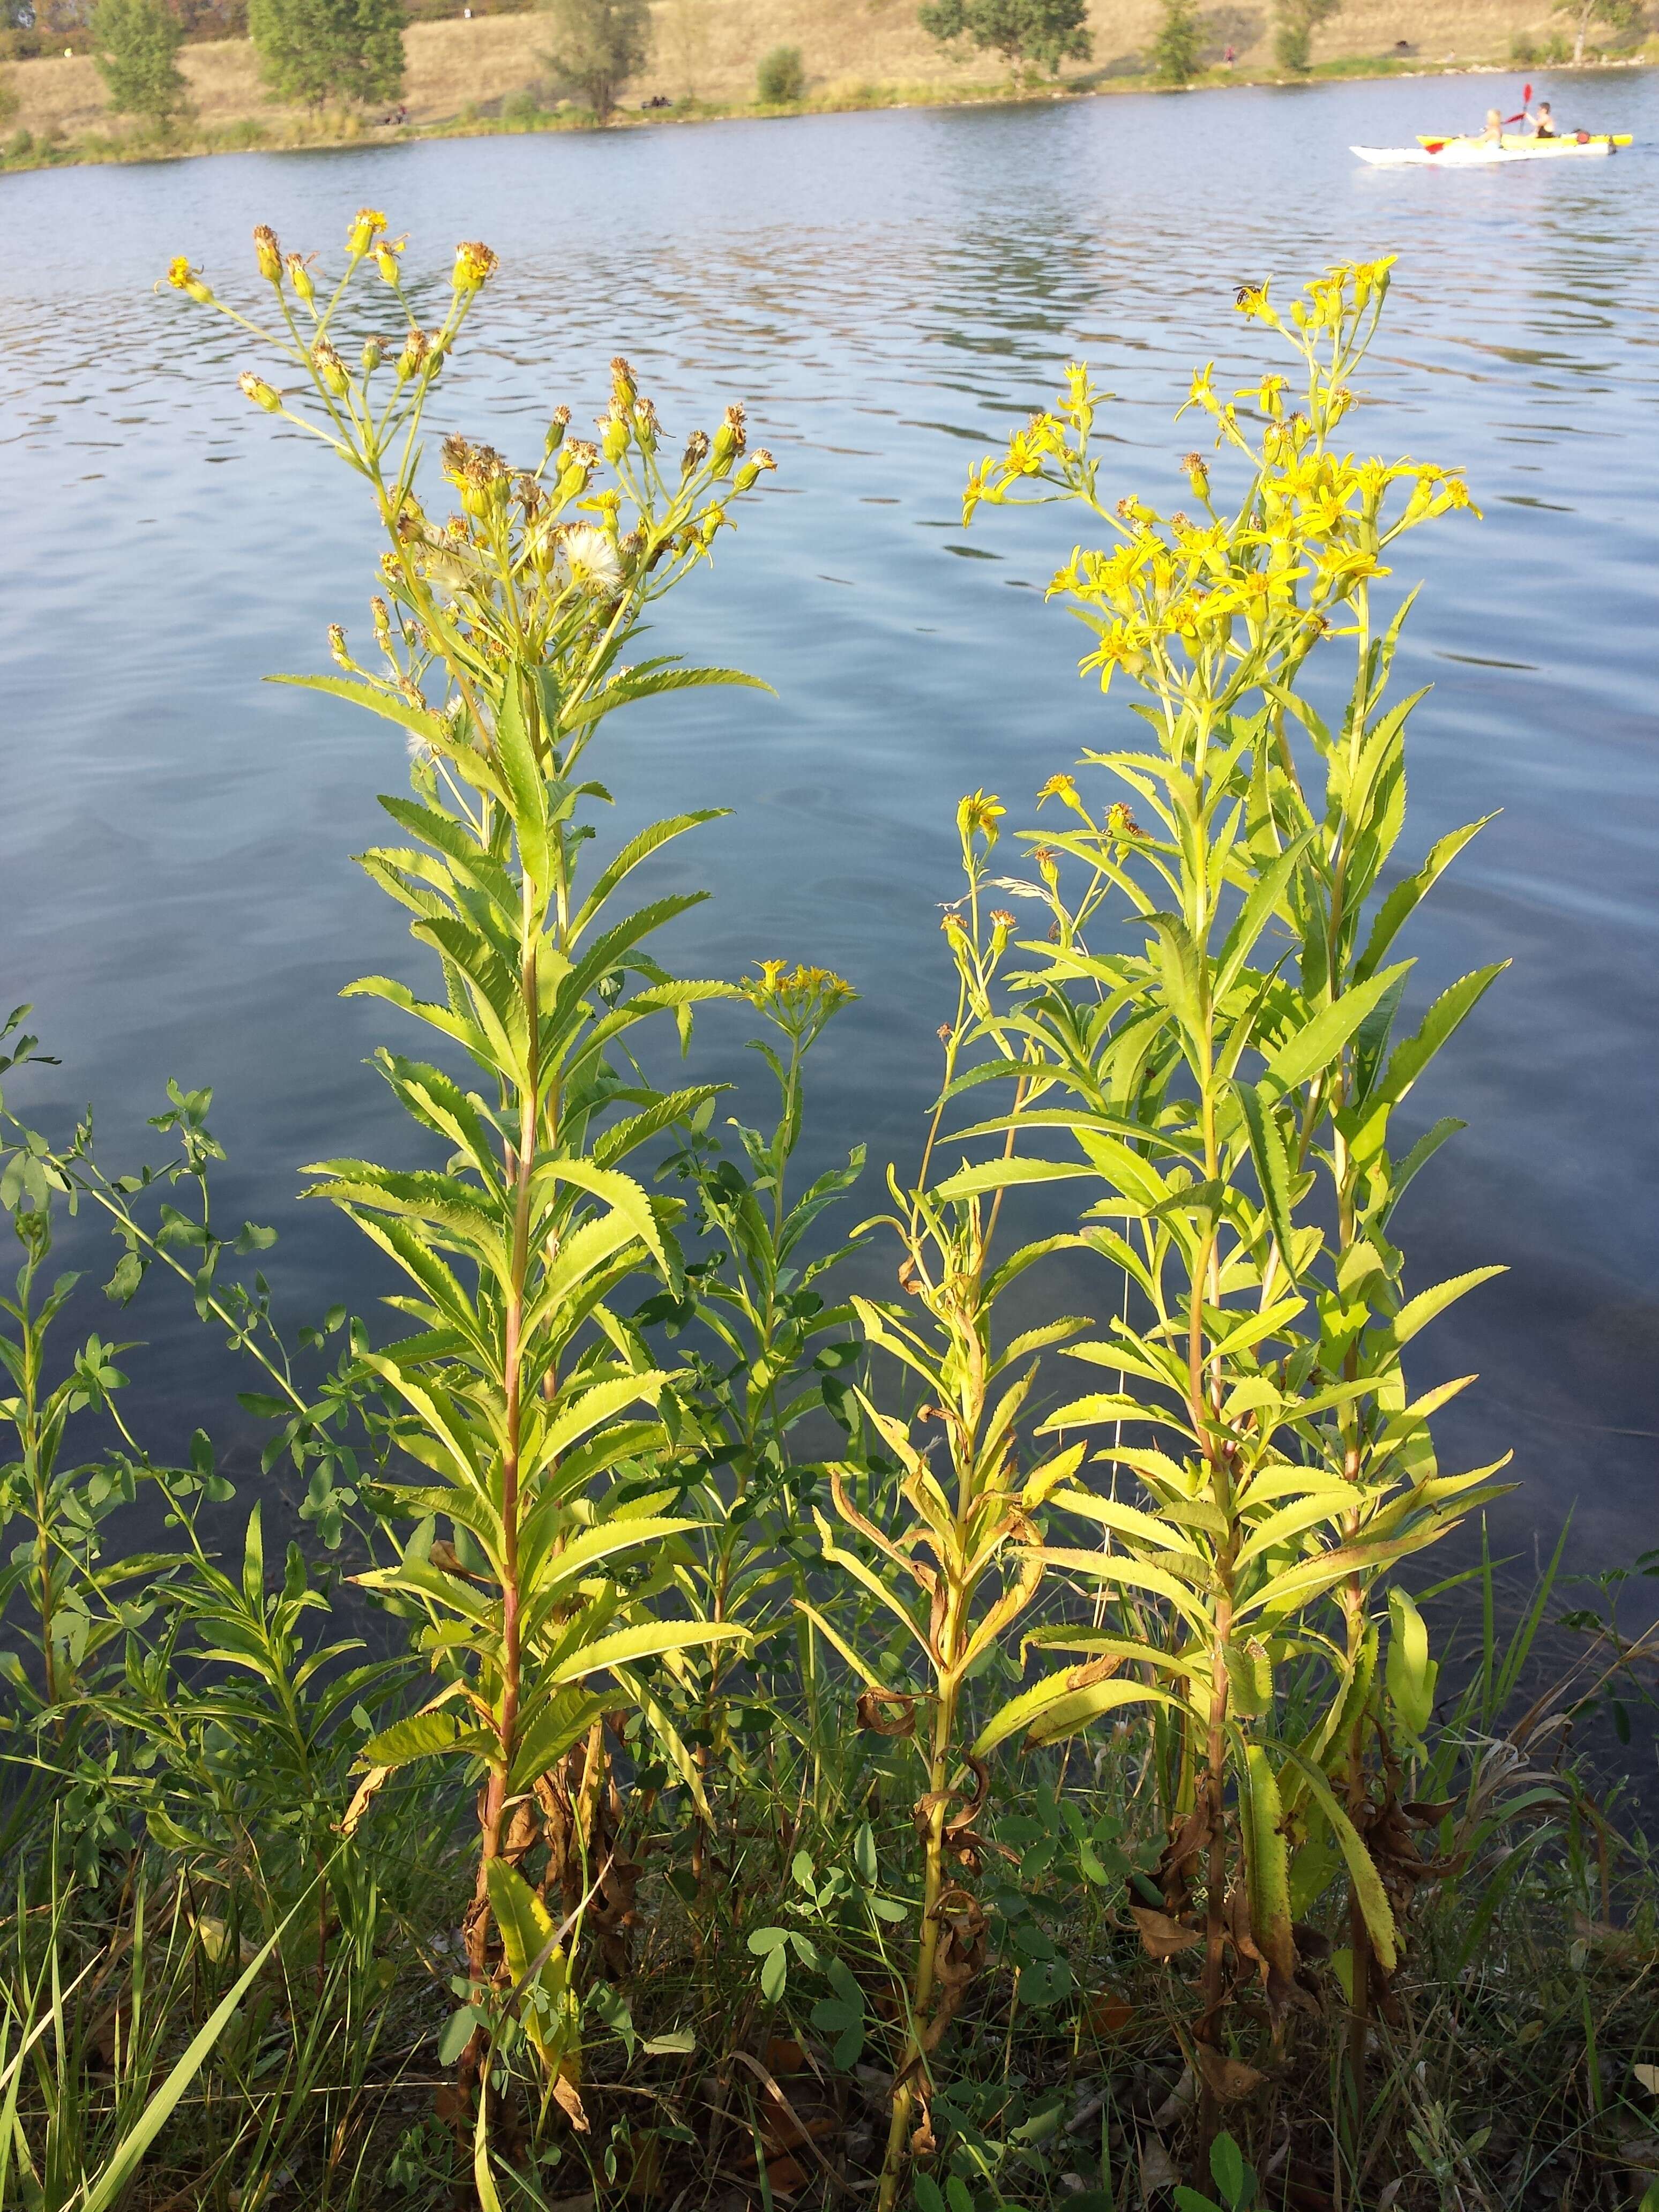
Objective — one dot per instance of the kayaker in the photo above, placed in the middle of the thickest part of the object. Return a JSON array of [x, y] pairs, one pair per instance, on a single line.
[[1543, 123], [1493, 133]]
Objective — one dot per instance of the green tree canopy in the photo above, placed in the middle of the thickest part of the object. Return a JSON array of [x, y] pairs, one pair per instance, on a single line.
[[1617, 14], [598, 45], [136, 45], [1297, 21], [1043, 32], [314, 51], [1177, 51]]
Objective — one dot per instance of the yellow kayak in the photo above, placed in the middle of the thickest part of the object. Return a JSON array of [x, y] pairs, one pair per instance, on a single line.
[[1569, 142]]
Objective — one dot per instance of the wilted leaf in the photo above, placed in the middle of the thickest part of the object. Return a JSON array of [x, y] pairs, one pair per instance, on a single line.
[[1107, 2014], [871, 1715], [1157, 2171], [1226, 2078], [1162, 1937]]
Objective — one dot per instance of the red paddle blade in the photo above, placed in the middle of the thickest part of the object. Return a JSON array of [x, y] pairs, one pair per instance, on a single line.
[[1526, 93]]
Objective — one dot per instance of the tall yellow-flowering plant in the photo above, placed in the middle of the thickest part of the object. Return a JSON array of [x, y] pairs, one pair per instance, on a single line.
[[1211, 1023]]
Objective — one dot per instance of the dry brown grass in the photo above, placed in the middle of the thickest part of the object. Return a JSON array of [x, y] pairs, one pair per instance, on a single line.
[[708, 49]]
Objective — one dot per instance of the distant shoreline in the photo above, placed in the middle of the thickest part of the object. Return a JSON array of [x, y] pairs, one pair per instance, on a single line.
[[94, 149]]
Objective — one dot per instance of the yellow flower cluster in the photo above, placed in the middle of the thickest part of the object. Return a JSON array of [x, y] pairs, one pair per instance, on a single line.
[[798, 999]]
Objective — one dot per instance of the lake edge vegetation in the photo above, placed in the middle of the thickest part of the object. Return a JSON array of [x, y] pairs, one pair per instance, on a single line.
[[820, 1745]]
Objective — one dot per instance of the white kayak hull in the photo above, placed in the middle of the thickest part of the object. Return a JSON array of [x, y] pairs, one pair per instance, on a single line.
[[1469, 154]]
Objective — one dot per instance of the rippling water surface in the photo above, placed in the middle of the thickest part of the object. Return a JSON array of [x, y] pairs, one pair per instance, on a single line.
[[890, 294]]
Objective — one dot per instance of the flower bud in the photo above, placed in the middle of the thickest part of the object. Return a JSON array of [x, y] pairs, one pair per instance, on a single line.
[[261, 393], [337, 647], [1198, 473], [385, 260], [615, 440], [329, 368], [412, 359], [366, 227], [184, 278], [696, 451], [475, 265], [268, 254], [555, 430], [623, 389], [300, 277], [729, 440], [382, 615], [374, 355], [750, 471]]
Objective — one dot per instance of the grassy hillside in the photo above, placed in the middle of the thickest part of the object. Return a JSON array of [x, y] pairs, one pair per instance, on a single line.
[[706, 51]]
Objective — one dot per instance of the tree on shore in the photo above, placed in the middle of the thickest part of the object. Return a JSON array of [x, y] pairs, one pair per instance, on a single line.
[[599, 44], [315, 51], [1297, 21], [136, 45], [1177, 51], [1045, 33], [1617, 14]]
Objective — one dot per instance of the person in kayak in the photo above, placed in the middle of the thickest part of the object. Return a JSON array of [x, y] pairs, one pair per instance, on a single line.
[[1493, 133], [1541, 125]]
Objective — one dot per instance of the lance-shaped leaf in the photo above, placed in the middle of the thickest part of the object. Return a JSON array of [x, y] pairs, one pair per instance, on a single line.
[[1268, 1870], [1318, 1042], [526, 780], [431, 728], [1058, 1707], [1273, 1167], [1406, 896], [1362, 1869], [426, 1736]]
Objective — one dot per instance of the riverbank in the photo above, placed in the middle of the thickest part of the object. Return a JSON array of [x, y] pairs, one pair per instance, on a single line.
[[489, 74]]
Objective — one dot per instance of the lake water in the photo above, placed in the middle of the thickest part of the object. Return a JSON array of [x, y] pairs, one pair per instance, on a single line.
[[889, 293]]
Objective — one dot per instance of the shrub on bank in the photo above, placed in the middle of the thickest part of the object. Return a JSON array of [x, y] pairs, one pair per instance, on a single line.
[[781, 79]]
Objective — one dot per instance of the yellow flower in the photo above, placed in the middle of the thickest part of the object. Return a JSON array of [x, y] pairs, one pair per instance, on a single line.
[[329, 368], [386, 251], [300, 277], [366, 227], [978, 815], [1252, 300], [184, 278], [475, 265], [268, 254], [412, 359], [800, 1000], [261, 393]]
